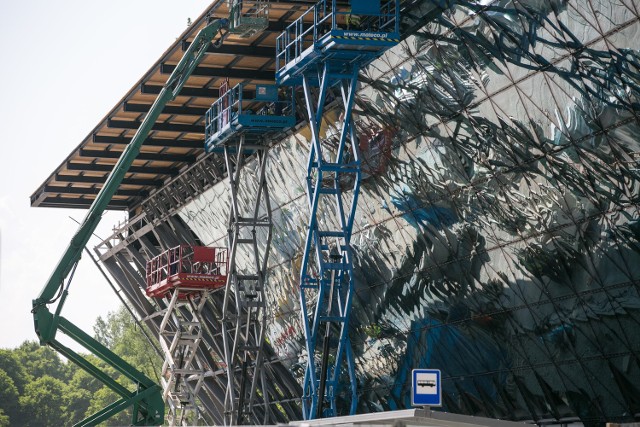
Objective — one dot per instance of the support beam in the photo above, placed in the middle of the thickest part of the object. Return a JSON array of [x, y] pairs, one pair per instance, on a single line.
[[101, 179], [76, 203], [52, 189], [224, 72], [151, 142], [230, 49], [195, 92], [169, 109], [166, 127], [133, 169], [198, 92], [278, 26], [161, 157]]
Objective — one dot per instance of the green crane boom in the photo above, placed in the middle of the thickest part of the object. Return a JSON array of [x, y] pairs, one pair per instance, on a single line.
[[148, 406]]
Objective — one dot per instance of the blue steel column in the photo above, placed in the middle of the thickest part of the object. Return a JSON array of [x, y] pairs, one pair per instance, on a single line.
[[316, 268], [322, 53]]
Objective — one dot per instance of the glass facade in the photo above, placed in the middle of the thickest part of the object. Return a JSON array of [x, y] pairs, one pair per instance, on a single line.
[[497, 235]]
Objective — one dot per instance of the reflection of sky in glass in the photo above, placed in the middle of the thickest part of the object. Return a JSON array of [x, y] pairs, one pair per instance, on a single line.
[[497, 231]]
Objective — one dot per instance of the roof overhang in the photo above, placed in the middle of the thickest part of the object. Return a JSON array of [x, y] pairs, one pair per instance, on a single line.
[[177, 139]]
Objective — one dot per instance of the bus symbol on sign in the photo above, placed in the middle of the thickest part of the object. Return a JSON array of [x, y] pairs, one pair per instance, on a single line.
[[426, 383], [426, 389]]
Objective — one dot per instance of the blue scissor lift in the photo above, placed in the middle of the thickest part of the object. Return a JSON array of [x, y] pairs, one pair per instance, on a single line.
[[241, 124], [325, 49], [253, 114]]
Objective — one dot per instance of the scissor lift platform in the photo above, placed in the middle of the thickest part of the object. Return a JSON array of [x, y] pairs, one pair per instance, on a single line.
[[188, 268], [327, 33], [241, 111]]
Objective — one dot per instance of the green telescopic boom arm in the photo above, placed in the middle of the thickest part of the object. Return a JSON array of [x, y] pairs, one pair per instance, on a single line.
[[147, 400]]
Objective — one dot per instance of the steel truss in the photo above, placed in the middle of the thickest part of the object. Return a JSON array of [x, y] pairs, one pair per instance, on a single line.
[[122, 263], [244, 309], [182, 189]]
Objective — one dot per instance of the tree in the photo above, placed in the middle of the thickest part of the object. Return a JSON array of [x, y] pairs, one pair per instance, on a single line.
[[76, 404], [12, 366], [102, 399], [38, 388], [123, 336], [40, 361], [81, 379], [4, 419], [8, 398], [43, 403]]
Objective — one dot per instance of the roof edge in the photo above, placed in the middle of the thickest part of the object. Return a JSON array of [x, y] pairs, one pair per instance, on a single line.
[[34, 198]]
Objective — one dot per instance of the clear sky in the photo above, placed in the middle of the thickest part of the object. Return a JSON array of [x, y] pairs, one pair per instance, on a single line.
[[65, 64]]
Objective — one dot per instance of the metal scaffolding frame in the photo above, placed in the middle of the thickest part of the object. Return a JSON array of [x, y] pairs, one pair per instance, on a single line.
[[325, 48], [124, 256], [182, 373], [244, 314], [233, 128]]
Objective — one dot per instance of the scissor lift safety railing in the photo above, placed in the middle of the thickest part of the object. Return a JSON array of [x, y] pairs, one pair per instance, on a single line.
[[341, 36], [256, 113], [326, 48], [184, 276], [248, 18], [240, 124], [188, 269]]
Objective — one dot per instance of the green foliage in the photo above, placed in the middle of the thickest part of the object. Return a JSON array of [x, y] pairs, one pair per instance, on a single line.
[[4, 419], [103, 398], [38, 388], [40, 361], [373, 330], [43, 402], [123, 335], [76, 404], [81, 379], [8, 398], [11, 364]]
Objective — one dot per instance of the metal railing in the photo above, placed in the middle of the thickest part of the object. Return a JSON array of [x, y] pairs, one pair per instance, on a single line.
[[235, 102], [210, 261], [301, 35], [248, 17], [250, 9]]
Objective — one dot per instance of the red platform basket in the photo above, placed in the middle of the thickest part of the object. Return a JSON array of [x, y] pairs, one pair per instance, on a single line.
[[187, 268]]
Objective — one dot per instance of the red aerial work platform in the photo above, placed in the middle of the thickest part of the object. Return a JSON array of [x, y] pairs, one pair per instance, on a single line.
[[188, 268]]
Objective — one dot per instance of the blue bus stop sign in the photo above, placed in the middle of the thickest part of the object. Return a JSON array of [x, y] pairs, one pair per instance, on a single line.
[[426, 389]]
